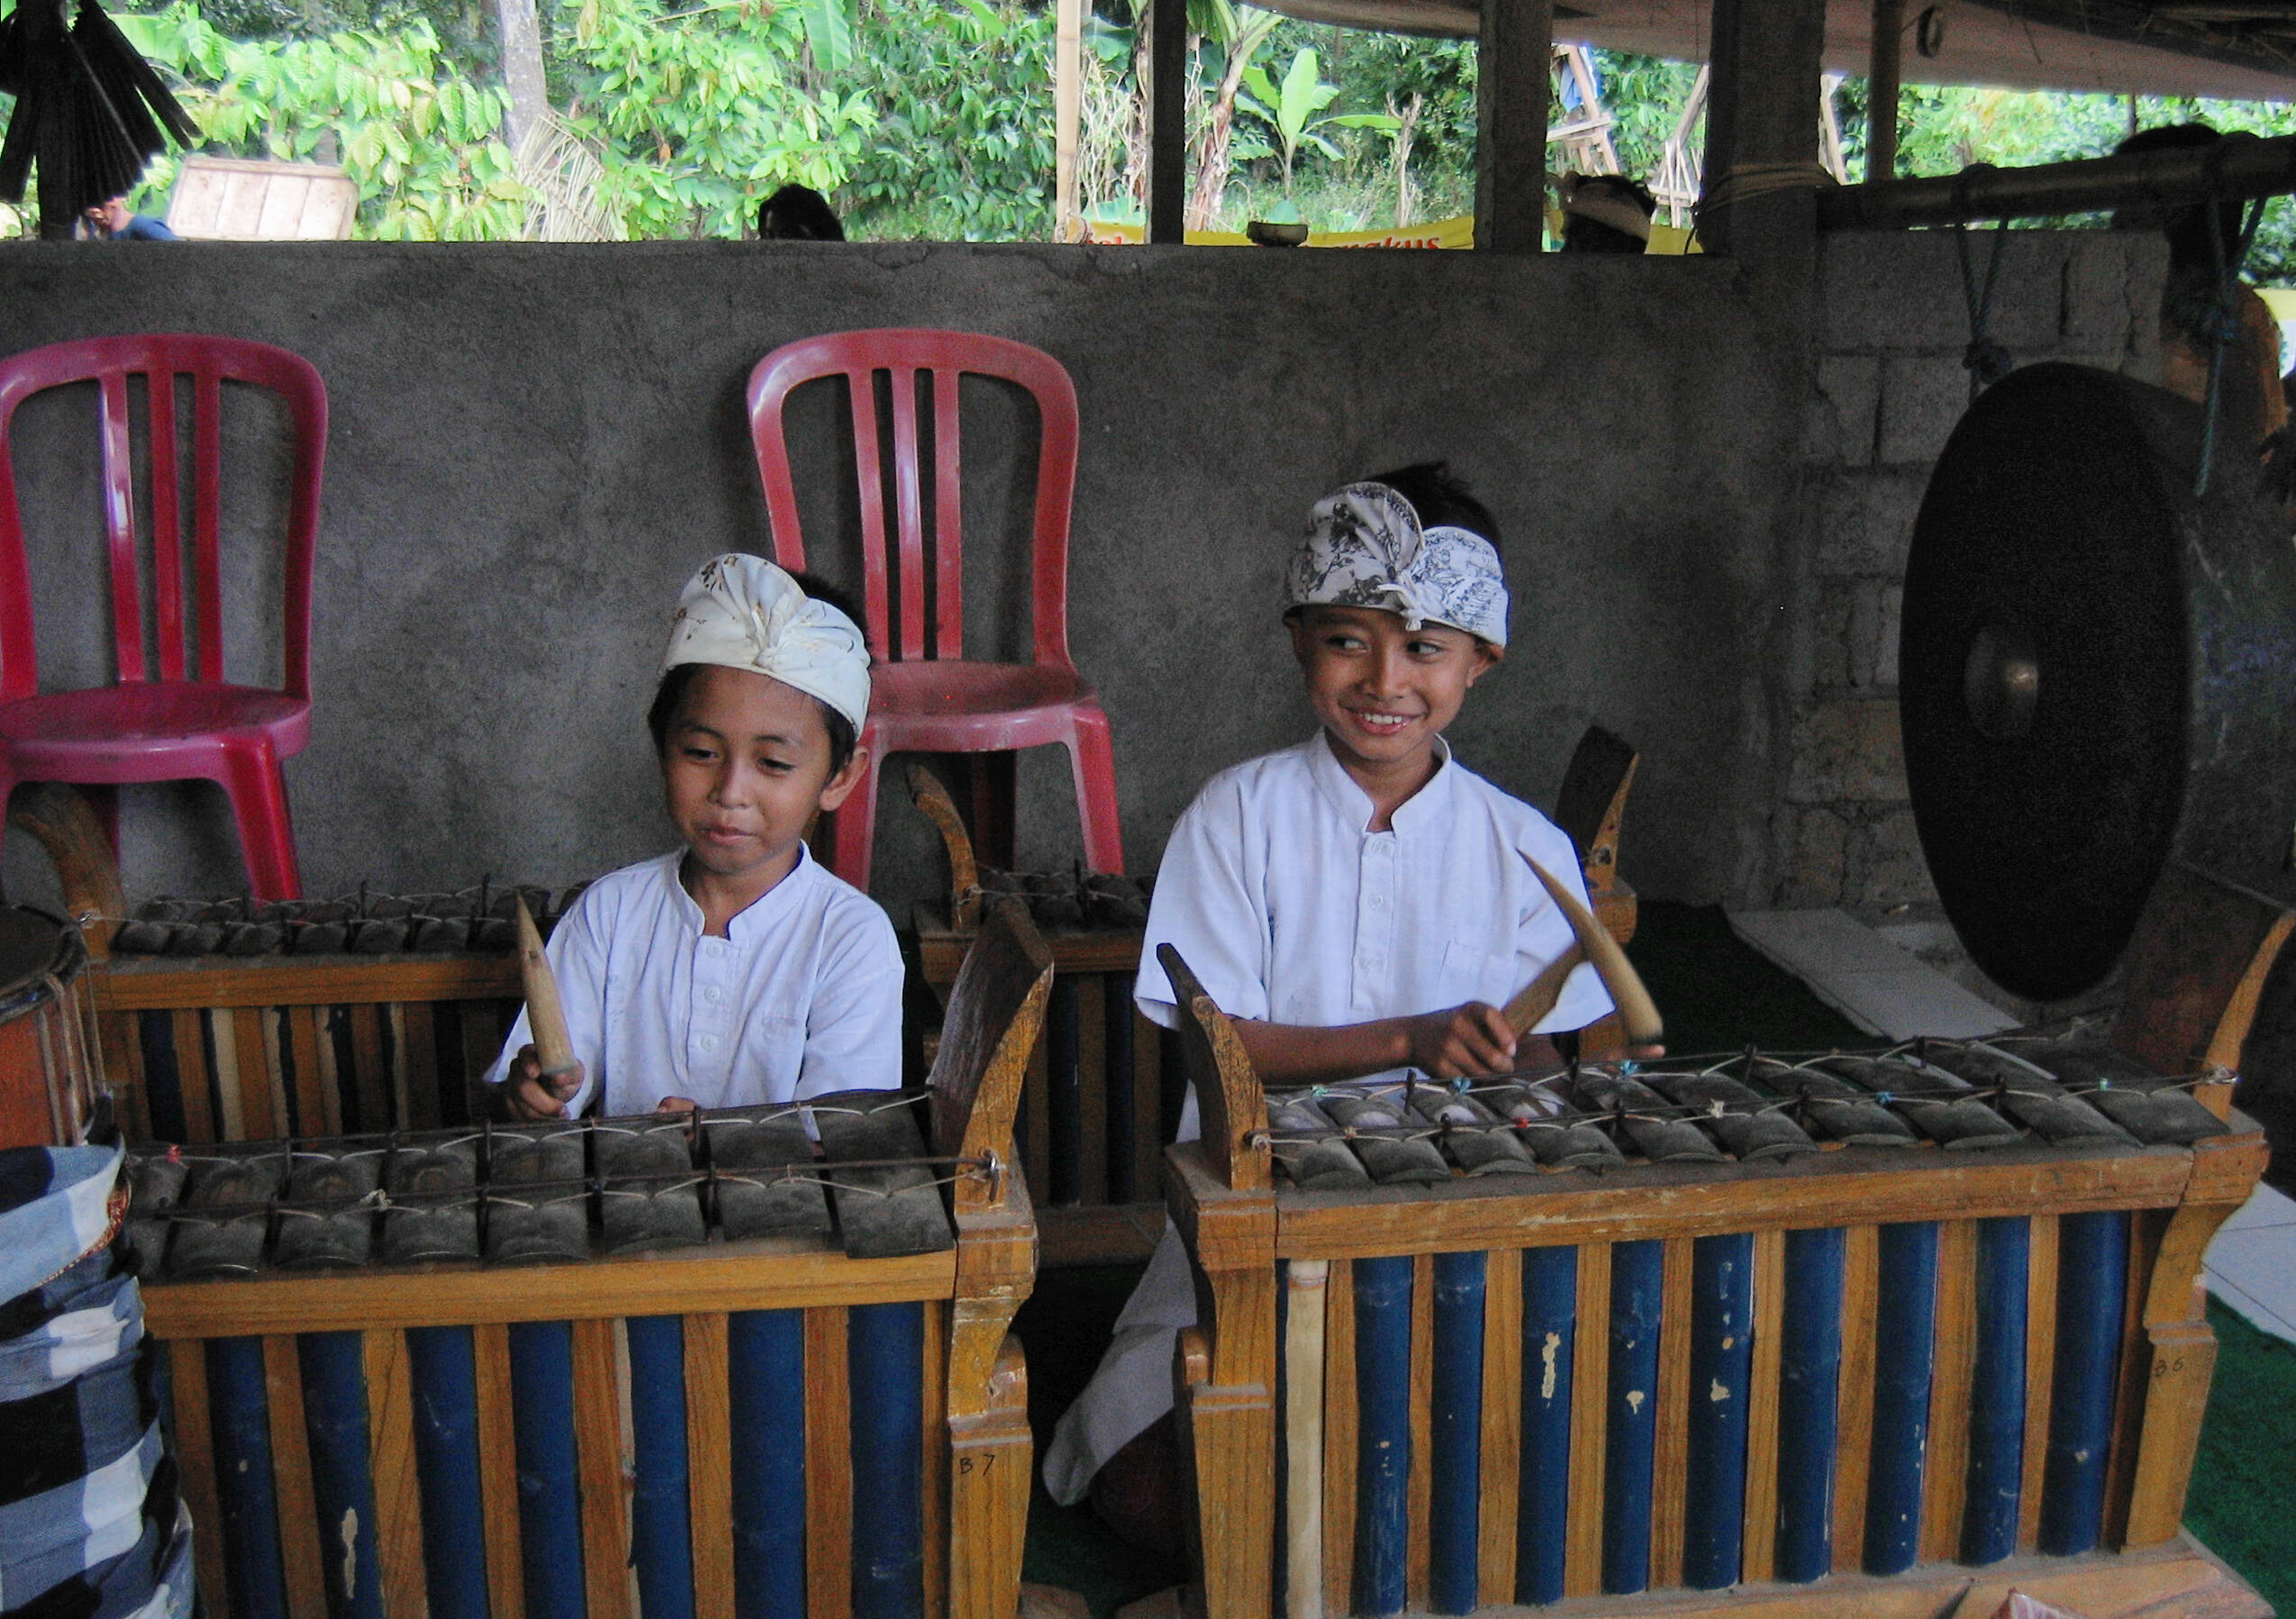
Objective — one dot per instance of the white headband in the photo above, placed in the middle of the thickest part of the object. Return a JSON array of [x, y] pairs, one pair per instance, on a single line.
[[745, 614], [1365, 549]]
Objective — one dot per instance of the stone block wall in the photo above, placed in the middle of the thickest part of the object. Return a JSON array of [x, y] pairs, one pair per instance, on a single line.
[[1889, 385]]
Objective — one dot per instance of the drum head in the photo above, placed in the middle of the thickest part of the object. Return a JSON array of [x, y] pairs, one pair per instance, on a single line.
[[2087, 672], [34, 947]]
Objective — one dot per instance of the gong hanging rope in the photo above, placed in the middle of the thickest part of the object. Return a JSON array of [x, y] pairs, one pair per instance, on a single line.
[[1986, 361]]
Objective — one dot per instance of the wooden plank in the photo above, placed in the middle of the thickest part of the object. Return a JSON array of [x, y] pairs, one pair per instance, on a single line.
[[1306, 1288], [414, 1076], [299, 1547], [1854, 1436], [935, 1450], [262, 1091], [598, 1439], [398, 1504], [1167, 120], [1670, 1468], [1092, 1072], [121, 1068], [829, 1467], [223, 1071], [717, 1276], [370, 1075], [1418, 1483], [1147, 1117], [481, 1044], [1339, 1440], [2040, 1374], [1514, 47], [498, 1469], [192, 1077], [1590, 1452], [194, 1441], [1758, 1561], [1108, 1233], [330, 1074], [1944, 1482], [709, 1463], [1661, 1201], [318, 1110], [169, 984], [1501, 1427], [1036, 1104], [2131, 1390]]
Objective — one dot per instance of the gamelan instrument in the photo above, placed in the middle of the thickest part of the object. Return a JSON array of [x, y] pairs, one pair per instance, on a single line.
[[48, 1060], [747, 1360], [1877, 1333]]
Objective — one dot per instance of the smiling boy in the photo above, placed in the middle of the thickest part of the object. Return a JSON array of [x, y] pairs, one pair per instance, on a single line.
[[1359, 903], [736, 970]]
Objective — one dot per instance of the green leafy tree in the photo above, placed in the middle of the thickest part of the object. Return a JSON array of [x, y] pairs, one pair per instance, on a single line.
[[699, 112], [421, 145], [1293, 112]]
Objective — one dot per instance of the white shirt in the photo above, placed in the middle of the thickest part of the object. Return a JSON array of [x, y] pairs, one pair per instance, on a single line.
[[1289, 911], [802, 997]]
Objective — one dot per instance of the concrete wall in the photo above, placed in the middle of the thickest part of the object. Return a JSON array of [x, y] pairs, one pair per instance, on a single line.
[[1888, 387], [533, 445]]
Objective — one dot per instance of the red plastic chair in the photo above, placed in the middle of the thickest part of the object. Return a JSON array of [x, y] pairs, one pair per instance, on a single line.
[[167, 718], [925, 696]]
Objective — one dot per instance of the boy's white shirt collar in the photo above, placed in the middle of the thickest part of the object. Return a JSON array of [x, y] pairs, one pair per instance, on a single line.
[[1347, 796], [751, 919]]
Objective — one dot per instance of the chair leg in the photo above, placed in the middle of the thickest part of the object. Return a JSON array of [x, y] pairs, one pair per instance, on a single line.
[[852, 830], [259, 795], [1093, 762]]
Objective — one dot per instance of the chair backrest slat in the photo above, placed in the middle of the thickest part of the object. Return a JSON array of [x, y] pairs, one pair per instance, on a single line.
[[206, 531], [162, 360], [876, 590], [948, 518], [947, 357], [167, 521], [119, 528], [908, 510]]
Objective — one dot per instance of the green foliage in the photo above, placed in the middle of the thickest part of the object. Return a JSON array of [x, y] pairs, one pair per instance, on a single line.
[[424, 149], [1294, 111], [961, 95], [699, 113], [1942, 130]]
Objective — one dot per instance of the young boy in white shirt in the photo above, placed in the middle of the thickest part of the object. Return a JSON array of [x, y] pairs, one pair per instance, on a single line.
[[736, 970], [1359, 903]]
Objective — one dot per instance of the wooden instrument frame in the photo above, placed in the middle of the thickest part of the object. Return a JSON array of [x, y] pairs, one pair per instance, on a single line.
[[978, 1444], [1237, 1225]]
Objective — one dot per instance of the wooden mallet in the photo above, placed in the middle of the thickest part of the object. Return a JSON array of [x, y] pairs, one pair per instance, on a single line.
[[545, 1018], [1637, 1012]]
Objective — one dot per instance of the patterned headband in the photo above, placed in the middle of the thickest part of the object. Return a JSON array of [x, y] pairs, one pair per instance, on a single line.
[[1365, 549], [745, 614]]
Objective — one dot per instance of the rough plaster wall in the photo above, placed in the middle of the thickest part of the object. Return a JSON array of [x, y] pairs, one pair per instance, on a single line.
[[533, 445], [1889, 388]]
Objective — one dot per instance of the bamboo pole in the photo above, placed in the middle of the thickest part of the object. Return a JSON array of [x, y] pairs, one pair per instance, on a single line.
[[1067, 115]]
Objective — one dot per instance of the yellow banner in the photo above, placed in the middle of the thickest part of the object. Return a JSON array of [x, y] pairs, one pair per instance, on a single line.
[[1457, 233]]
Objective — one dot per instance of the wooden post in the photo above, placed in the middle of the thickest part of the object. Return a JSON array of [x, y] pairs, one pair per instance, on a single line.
[[1759, 130], [1067, 105], [1167, 120], [1512, 53], [1881, 100]]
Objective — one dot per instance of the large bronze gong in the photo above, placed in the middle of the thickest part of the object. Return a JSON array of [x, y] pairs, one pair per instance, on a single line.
[[2097, 672]]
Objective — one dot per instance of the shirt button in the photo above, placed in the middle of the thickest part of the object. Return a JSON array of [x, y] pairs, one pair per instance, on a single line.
[[713, 949], [712, 994], [708, 1042], [1378, 902], [1375, 964]]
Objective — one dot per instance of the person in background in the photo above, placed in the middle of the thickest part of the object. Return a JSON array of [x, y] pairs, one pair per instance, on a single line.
[[114, 221], [798, 213], [1606, 213], [2250, 408]]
